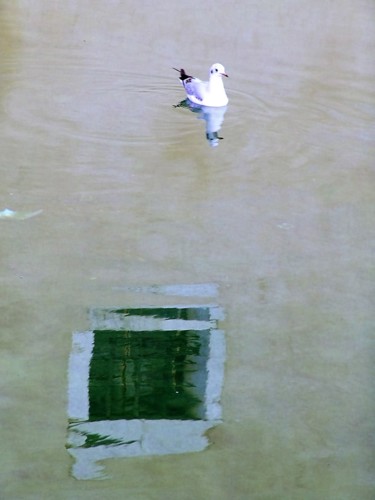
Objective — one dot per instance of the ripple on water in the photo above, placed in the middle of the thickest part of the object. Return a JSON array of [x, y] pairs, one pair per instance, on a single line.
[[97, 105], [93, 105], [51, 103]]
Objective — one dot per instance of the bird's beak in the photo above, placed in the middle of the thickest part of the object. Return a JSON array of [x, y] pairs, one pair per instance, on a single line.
[[224, 74]]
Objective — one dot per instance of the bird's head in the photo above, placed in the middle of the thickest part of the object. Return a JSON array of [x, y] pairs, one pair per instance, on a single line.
[[218, 69]]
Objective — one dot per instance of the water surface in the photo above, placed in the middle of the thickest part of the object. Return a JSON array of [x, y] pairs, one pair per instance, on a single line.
[[279, 216]]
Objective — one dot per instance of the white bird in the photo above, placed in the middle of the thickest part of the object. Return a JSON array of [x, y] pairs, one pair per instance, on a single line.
[[211, 93]]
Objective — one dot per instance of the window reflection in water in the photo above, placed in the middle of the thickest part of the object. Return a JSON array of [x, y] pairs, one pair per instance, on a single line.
[[144, 381]]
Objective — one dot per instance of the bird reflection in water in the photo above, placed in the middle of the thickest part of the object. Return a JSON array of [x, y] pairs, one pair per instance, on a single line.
[[213, 116]]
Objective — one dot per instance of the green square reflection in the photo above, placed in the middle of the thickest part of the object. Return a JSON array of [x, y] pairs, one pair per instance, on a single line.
[[148, 375]]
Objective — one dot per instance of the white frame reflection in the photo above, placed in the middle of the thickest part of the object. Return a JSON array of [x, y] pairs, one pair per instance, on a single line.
[[139, 437]]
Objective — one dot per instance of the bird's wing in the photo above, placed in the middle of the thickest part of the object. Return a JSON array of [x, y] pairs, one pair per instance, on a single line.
[[195, 88]]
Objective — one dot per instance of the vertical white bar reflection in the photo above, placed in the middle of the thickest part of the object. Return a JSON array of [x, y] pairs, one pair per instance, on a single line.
[[79, 368]]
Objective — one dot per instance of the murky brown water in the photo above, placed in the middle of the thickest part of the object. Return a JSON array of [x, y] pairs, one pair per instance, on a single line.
[[279, 215]]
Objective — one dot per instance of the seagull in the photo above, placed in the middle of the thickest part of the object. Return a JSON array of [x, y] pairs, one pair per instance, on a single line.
[[211, 93]]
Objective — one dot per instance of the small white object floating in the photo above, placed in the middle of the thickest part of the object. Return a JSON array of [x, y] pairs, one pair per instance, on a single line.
[[7, 213], [211, 93]]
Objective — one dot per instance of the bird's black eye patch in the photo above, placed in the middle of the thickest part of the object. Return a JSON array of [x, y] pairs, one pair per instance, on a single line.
[[216, 70]]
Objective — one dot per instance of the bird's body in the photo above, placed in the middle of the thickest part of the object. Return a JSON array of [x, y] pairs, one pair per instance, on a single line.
[[211, 93]]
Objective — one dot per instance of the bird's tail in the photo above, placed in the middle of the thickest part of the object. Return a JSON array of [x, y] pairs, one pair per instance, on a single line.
[[183, 75]]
